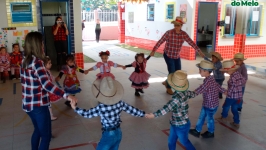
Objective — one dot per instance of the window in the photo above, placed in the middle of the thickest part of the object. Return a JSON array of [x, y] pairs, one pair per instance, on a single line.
[[150, 12], [21, 13], [170, 11], [230, 20], [254, 19]]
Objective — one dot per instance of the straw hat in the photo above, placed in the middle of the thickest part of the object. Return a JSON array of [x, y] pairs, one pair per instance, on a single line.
[[178, 80], [107, 91], [218, 55], [178, 20], [239, 56], [206, 65], [229, 65]]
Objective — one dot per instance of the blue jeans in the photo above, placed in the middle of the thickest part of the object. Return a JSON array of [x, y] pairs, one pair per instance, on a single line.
[[241, 103], [110, 140], [229, 102], [220, 82], [209, 112], [172, 65], [180, 132], [41, 119]]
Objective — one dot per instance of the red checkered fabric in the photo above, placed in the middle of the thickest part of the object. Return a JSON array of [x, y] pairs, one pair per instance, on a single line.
[[210, 90], [235, 83], [61, 34], [35, 86], [174, 43]]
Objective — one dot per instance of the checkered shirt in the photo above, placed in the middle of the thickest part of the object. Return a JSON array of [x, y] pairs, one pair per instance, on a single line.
[[110, 114], [235, 83], [36, 83], [174, 43], [243, 71], [61, 34], [179, 108], [210, 90], [217, 73]]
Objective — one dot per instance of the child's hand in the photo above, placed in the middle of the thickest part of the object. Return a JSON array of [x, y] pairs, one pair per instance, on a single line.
[[225, 93], [124, 67], [149, 116], [73, 104], [57, 79], [86, 71]]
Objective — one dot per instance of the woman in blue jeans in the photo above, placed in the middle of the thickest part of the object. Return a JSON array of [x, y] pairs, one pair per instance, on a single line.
[[35, 87], [174, 39]]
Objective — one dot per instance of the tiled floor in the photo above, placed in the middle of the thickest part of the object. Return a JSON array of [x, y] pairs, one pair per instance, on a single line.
[[73, 132]]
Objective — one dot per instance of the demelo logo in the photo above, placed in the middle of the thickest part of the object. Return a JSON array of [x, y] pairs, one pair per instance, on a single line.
[[245, 3]]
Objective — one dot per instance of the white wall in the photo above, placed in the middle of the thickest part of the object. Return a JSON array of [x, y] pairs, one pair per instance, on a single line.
[[3, 22], [77, 27]]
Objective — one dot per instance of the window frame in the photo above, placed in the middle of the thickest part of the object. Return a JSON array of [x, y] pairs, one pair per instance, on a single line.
[[249, 28], [232, 21], [173, 11], [148, 12]]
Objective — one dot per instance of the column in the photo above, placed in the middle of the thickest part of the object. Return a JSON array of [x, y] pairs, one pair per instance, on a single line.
[[240, 32], [121, 22], [78, 34]]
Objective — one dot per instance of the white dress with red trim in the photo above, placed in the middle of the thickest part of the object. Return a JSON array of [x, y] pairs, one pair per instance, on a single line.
[[105, 69], [71, 82], [4, 62]]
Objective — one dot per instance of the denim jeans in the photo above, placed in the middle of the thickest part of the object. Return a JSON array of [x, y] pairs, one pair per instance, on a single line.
[[41, 119], [241, 103], [110, 140], [209, 112], [220, 82], [172, 65], [226, 106], [180, 132]]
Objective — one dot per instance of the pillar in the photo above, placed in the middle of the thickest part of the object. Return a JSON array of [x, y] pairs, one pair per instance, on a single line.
[[121, 22], [240, 32], [78, 34]]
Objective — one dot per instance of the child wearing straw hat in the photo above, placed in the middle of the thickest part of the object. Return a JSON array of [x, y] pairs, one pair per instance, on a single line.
[[109, 93], [218, 75], [234, 91], [210, 90], [179, 121], [239, 60]]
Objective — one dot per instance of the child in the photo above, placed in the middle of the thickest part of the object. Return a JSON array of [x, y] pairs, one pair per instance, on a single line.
[[4, 64], [239, 60], [105, 66], [139, 77], [218, 75], [234, 91], [71, 82], [180, 123], [109, 93], [16, 59], [52, 97], [210, 90]]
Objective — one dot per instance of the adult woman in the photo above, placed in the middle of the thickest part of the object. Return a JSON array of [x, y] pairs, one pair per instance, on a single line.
[[35, 87], [60, 32], [98, 30], [174, 39]]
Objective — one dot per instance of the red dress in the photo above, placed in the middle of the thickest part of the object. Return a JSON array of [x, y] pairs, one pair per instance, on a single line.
[[4, 62], [71, 82], [16, 60], [53, 97]]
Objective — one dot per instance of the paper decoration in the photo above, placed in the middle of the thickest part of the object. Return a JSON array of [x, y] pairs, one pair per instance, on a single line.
[[227, 20], [255, 16], [26, 32], [183, 12]]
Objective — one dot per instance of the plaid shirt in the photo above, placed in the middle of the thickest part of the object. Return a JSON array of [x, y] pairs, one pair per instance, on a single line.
[[243, 71], [35, 86], [110, 114], [61, 34], [174, 43], [210, 89], [235, 83], [217, 73], [178, 106]]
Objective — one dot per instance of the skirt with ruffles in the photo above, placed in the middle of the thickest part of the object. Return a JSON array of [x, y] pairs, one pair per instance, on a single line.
[[106, 74], [74, 89], [139, 80]]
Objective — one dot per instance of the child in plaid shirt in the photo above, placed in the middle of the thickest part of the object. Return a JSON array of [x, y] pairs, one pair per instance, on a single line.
[[218, 75], [234, 91], [239, 60], [210, 89], [180, 123]]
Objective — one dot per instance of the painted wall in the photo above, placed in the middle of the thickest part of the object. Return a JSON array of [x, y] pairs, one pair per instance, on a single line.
[[106, 27], [3, 22], [77, 27]]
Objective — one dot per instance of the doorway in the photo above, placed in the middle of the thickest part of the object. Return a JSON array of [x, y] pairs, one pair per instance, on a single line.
[[206, 26], [49, 11]]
